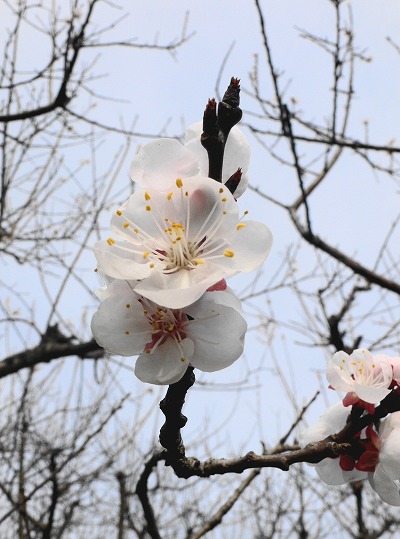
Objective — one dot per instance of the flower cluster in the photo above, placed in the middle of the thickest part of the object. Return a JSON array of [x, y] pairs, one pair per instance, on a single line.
[[173, 243], [367, 380]]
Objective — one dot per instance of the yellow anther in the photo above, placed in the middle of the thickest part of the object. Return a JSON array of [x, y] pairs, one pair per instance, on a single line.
[[126, 332], [179, 182], [146, 254], [126, 225], [186, 193], [96, 270], [135, 230], [229, 253], [224, 199], [240, 226], [199, 261], [169, 196], [148, 208], [147, 196], [183, 359], [118, 212], [246, 212], [127, 305], [221, 190], [224, 212], [171, 327], [110, 241], [152, 265]]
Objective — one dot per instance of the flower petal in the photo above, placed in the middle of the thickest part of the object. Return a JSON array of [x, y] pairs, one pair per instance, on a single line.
[[119, 325], [217, 332], [386, 489], [161, 162], [167, 364]]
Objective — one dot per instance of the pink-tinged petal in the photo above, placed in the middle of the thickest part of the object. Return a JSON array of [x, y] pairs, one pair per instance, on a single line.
[[383, 485], [161, 162], [217, 332], [219, 286], [167, 364], [119, 325]]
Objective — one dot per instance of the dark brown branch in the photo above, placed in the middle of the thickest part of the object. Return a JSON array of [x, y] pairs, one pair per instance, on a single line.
[[46, 352], [369, 275], [217, 126], [142, 492], [75, 43]]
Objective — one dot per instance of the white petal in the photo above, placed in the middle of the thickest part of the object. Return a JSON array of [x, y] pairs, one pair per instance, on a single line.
[[370, 394], [166, 365], [176, 290], [251, 245], [386, 489], [118, 261], [330, 422], [389, 456], [161, 162], [119, 325], [217, 332], [330, 472]]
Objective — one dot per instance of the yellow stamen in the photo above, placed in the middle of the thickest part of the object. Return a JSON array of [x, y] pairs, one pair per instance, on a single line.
[[224, 199], [169, 196], [221, 190], [118, 212], [146, 254], [240, 226], [148, 208], [127, 305], [179, 182], [147, 196], [199, 261], [110, 241], [229, 253], [126, 225]]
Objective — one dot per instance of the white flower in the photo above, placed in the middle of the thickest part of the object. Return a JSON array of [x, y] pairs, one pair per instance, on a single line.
[[236, 154], [181, 241], [368, 376], [209, 334], [385, 479], [332, 421], [160, 162]]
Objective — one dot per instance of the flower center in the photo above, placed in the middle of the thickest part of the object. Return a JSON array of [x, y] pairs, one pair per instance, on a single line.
[[182, 252], [165, 324]]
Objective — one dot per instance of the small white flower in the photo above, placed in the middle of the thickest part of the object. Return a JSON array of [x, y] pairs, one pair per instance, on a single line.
[[208, 335], [181, 241], [368, 376]]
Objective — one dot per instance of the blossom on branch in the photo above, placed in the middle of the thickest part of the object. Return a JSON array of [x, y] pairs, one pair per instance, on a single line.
[[180, 241], [365, 378], [375, 456], [208, 335]]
